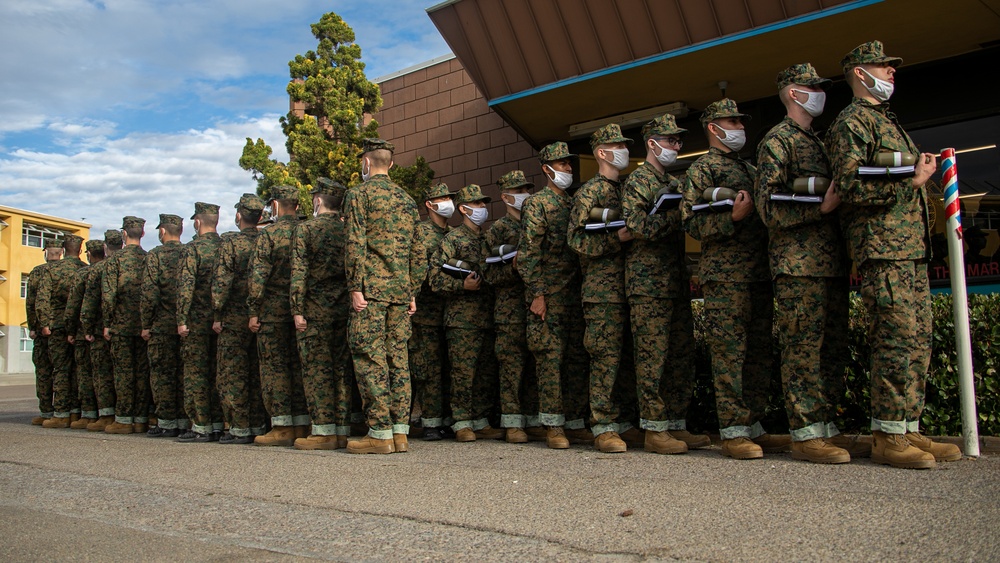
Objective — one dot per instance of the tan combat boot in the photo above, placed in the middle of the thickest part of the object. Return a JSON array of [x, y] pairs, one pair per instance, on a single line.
[[100, 424], [896, 450], [302, 430], [940, 451], [663, 443], [82, 423], [633, 437], [555, 438], [580, 436], [693, 441], [341, 442], [118, 428], [140, 427], [465, 435], [316, 443], [772, 444], [400, 444], [516, 436], [278, 436], [369, 445], [741, 448], [57, 422], [38, 420], [609, 443], [817, 450], [855, 445], [489, 433], [536, 433], [73, 417]]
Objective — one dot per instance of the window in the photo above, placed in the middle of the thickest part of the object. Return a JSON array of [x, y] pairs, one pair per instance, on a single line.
[[24, 286], [27, 344], [36, 235]]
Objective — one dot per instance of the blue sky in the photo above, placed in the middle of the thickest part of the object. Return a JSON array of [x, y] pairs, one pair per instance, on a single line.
[[139, 107]]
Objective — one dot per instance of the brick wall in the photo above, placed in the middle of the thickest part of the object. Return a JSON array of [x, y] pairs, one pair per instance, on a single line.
[[437, 113]]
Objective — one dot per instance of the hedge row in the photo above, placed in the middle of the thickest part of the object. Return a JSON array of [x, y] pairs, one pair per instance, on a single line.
[[942, 414]]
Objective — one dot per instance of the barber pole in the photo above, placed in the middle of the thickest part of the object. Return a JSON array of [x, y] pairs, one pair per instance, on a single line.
[[960, 303]]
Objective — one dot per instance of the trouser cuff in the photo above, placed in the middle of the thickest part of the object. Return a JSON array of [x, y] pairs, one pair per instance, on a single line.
[[575, 424], [532, 420], [677, 424], [624, 427], [815, 430], [757, 430], [913, 426], [733, 432], [480, 423], [101, 412], [282, 421], [60, 414], [889, 426], [88, 414], [123, 419], [599, 429], [654, 425], [831, 429], [547, 419], [432, 422], [400, 429], [239, 432], [461, 424], [74, 411], [323, 429], [49, 414], [201, 428], [167, 424], [512, 420], [258, 431], [301, 420], [218, 426], [343, 430], [380, 434]]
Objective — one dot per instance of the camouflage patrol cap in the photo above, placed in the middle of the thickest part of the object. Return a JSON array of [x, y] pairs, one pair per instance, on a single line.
[[513, 180], [868, 54], [610, 133], [53, 243], [250, 202], [68, 239], [202, 208], [720, 109], [327, 186], [130, 221], [470, 193], [113, 237], [556, 151], [167, 219], [284, 192], [94, 245], [369, 145], [802, 74], [664, 125], [438, 190]]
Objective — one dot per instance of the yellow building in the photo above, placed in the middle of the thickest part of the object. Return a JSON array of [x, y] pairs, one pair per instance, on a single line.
[[22, 236]]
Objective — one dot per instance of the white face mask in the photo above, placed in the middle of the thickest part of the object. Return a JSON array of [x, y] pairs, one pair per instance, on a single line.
[[365, 175], [518, 200], [619, 158], [562, 180], [666, 156], [477, 215], [881, 90], [813, 104], [733, 139], [445, 209]]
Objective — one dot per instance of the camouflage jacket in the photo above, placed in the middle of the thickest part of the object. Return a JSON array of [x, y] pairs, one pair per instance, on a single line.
[[730, 252], [194, 286], [74, 303], [229, 284], [654, 262], [121, 290], [602, 255], [803, 242], [430, 305], [508, 306], [271, 272], [91, 317], [318, 289], [54, 290], [384, 259], [31, 297], [158, 306], [463, 308], [544, 261], [884, 218]]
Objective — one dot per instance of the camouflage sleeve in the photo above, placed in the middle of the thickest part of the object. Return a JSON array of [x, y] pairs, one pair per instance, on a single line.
[[529, 248], [357, 242], [74, 303], [222, 281], [499, 274], [418, 256], [186, 280], [150, 290], [260, 271], [31, 299], [849, 144], [440, 281], [300, 270], [706, 225], [109, 291], [635, 210], [91, 304], [44, 306], [589, 243], [772, 178]]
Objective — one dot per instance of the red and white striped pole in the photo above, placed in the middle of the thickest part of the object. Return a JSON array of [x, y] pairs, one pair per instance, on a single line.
[[960, 303]]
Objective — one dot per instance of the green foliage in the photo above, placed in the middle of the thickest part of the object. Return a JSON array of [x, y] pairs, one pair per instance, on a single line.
[[415, 179]]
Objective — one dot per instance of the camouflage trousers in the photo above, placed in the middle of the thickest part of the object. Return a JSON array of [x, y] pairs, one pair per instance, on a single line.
[[603, 340], [738, 319], [326, 375], [238, 379], [166, 379], [468, 355], [811, 316], [377, 336], [102, 369], [429, 373], [64, 392], [561, 362], [201, 396], [663, 337], [281, 375], [131, 367], [43, 374], [897, 297], [518, 384], [84, 377]]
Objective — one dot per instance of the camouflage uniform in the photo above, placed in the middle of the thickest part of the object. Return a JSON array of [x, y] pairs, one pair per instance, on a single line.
[[887, 227], [658, 289], [194, 310], [739, 300], [40, 342], [92, 321], [238, 376], [809, 271], [549, 268], [386, 264], [84, 375], [158, 313], [267, 299], [318, 292], [53, 292], [121, 289]]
